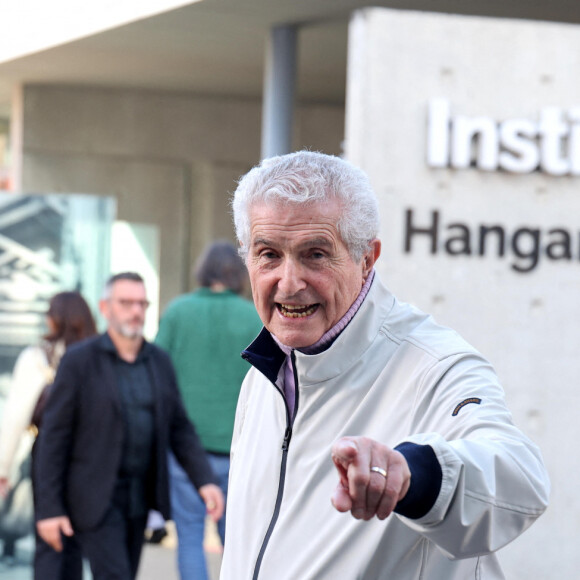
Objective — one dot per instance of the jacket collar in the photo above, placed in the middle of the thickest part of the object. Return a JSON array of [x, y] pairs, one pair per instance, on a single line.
[[267, 357], [265, 354]]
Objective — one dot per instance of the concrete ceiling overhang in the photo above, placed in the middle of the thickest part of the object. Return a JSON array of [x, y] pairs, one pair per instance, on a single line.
[[217, 46]]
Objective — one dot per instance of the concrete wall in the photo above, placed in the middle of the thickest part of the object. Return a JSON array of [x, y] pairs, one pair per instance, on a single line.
[[169, 159], [522, 316]]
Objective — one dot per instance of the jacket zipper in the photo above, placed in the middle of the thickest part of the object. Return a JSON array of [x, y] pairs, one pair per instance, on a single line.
[[290, 414]]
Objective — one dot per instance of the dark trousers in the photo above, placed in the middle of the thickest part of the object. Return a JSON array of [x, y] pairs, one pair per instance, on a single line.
[[51, 565], [113, 548]]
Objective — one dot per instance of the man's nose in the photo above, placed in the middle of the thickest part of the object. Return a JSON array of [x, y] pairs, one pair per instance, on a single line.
[[292, 277]]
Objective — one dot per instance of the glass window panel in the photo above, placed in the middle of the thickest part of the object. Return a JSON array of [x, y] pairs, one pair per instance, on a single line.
[[48, 243]]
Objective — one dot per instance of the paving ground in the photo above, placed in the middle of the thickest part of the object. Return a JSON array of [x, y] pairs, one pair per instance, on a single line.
[[157, 563]]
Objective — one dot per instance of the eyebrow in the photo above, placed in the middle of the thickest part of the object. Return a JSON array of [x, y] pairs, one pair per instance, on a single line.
[[317, 242], [314, 243], [261, 242]]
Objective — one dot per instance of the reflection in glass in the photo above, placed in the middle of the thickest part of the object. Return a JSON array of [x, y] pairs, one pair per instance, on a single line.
[[48, 243]]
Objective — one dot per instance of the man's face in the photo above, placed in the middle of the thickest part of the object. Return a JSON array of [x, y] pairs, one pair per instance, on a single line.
[[303, 278], [125, 308]]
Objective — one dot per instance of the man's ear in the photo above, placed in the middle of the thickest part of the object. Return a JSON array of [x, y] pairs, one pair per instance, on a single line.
[[104, 307], [371, 256]]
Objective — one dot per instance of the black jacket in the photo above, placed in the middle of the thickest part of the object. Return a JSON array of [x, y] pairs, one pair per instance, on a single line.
[[80, 445]]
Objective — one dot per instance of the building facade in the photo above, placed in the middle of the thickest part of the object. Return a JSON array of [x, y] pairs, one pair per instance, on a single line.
[[468, 124]]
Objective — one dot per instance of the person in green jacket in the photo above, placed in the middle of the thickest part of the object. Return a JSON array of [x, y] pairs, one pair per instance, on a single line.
[[204, 332]]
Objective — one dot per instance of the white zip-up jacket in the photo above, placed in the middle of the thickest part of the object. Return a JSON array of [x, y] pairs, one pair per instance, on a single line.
[[395, 376]]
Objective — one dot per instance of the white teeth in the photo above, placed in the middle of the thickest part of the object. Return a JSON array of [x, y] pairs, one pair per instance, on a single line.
[[291, 310]]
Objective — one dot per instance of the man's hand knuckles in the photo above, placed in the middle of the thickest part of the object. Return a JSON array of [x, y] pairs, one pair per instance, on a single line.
[[376, 487], [360, 479]]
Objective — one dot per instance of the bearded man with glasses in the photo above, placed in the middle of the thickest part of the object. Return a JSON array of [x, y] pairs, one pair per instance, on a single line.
[[114, 413]]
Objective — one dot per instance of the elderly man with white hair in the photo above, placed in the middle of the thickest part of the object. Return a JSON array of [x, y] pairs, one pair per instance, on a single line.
[[359, 403]]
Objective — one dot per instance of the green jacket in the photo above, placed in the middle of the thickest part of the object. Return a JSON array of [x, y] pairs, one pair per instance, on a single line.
[[204, 333]]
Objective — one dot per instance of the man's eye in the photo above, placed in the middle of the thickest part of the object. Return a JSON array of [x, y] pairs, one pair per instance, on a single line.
[[317, 255]]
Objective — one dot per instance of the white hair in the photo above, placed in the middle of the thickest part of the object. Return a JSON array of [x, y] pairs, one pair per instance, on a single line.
[[308, 177]]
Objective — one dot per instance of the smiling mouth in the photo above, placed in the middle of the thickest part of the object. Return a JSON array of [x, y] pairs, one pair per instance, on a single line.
[[296, 311]]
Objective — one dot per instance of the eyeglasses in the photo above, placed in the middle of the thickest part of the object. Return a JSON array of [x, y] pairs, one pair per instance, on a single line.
[[128, 303]]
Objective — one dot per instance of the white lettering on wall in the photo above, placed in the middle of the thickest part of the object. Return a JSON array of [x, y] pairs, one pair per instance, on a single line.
[[551, 144]]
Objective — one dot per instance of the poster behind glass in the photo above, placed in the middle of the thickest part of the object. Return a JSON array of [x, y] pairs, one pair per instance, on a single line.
[[48, 243]]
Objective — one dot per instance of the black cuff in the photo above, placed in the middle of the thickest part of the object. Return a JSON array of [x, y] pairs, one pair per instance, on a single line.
[[426, 476]]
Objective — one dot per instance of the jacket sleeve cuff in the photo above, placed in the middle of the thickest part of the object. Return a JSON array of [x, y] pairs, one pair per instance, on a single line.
[[426, 477]]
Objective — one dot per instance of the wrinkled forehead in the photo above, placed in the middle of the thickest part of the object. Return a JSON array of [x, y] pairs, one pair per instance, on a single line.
[[269, 216], [276, 207]]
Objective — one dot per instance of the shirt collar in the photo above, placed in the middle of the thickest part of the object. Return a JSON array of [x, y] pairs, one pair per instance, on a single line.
[[109, 346]]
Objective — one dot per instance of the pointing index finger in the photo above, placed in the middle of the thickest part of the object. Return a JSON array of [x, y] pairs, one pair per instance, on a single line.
[[344, 451]]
